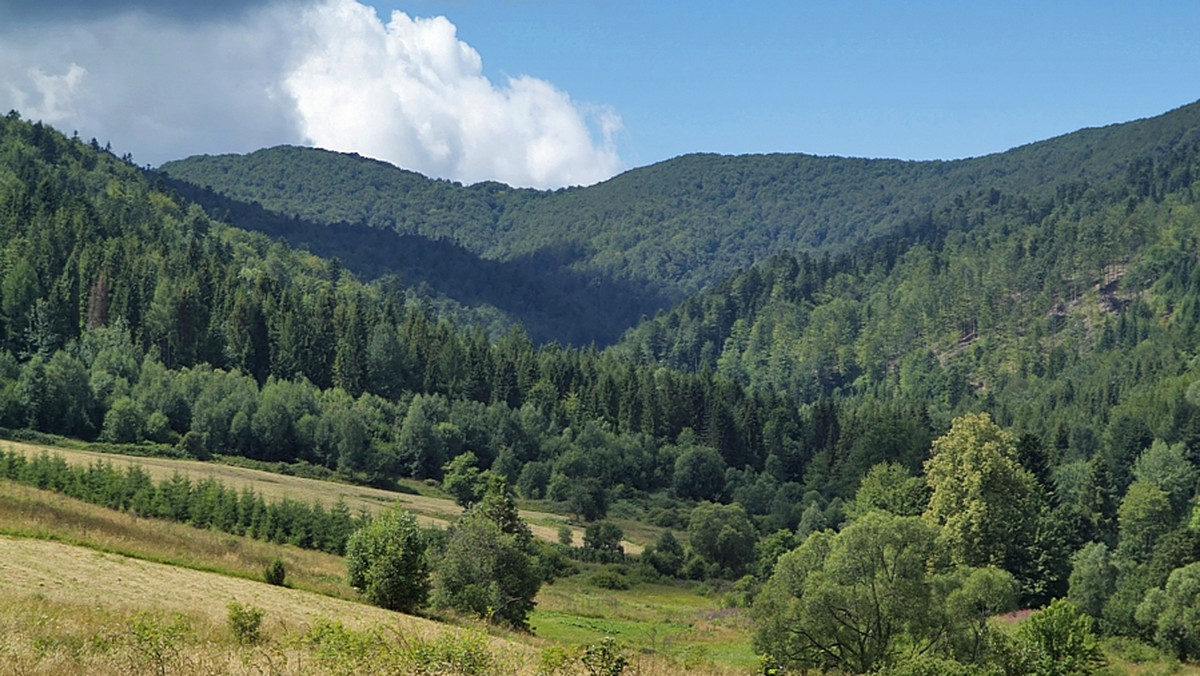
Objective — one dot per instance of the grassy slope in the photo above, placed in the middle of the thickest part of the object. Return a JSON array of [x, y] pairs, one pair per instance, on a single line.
[[75, 578], [79, 585], [431, 511]]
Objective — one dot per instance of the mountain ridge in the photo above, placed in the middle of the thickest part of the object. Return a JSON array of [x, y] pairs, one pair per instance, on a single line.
[[654, 235]]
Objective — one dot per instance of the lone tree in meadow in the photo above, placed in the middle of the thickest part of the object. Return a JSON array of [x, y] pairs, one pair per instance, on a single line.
[[489, 566], [386, 562]]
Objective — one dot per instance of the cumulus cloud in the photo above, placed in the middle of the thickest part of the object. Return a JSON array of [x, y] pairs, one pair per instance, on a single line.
[[157, 88], [332, 74], [410, 92]]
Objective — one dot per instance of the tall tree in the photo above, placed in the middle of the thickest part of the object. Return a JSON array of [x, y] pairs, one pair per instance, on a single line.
[[983, 501]]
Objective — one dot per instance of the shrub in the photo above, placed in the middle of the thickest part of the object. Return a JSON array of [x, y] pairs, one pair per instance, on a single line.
[[385, 561], [450, 653], [1061, 640], [158, 643], [245, 622], [609, 579], [604, 658], [275, 573]]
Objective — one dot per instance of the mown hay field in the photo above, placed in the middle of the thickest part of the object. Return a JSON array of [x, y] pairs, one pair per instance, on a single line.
[[430, 511]]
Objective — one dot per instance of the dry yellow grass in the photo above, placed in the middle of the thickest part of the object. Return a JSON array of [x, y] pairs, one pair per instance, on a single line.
[[68, 608], [430, 511], [38, 513], [62, 573], [78, 598]]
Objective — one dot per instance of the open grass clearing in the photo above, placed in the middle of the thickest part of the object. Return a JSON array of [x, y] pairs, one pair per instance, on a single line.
[[430, 511], [31, 512], [70, 609], [672, 620]]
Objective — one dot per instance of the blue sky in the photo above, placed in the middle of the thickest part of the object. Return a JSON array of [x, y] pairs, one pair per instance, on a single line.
[[544, 94], [913, 80]]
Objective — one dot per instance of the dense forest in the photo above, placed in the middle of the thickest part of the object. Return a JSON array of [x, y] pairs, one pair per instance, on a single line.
[[981, 392], [651, 236]]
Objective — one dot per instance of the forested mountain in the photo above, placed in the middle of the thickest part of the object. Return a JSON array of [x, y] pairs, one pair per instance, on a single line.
[[538, 292], [980, 376], [671, 229], [1073, 316], [130, 316]]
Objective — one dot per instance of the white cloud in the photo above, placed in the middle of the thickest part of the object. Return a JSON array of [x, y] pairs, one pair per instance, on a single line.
[[410, 92], [157, 88], [331, 74], [54, 99]]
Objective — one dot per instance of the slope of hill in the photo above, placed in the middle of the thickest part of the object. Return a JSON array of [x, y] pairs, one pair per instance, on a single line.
[[128, 315], [550, 301], [681, 225], [1064, 317]]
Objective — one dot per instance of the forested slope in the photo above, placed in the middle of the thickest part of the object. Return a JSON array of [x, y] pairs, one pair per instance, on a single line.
[[1074, 317], [678, 226], [130, 316], [540, 292]]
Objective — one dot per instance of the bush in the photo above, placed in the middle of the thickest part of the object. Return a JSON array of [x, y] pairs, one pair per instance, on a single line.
[[275, 573], [604, 658], [385, 561], [157, 642], [450, 653], [245, 622], [609, 579], [1061, 641]]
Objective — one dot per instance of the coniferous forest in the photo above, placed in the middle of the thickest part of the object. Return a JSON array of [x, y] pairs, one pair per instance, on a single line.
[[889, 399]]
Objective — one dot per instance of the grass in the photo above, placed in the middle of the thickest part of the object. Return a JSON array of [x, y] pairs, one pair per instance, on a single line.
[[429, 510], [674, 621], [86, 590], [75, 579], [35, 513]]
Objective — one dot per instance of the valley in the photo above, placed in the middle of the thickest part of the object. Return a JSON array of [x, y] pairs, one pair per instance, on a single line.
[[716, 415]]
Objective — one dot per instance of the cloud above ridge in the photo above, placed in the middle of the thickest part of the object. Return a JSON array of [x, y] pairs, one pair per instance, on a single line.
[[328, 73]]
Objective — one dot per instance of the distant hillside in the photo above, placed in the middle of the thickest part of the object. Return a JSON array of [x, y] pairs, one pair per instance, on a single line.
[[539, 292], [682, 225], [1069, 315]]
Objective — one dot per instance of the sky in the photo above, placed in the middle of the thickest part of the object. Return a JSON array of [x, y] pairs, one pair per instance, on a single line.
[[548, 93]]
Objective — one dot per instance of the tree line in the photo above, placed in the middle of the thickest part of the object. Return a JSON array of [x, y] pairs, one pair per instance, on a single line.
[[204, 503]]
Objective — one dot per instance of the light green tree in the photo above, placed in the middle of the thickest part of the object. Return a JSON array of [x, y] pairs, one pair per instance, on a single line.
[[850, 601], [1061, 641], [1093, 578], [977, 595], [1172, 614], [1168, 467], [890, 487], [462, 479], [983, 501], [1145, 514], [386, 562]]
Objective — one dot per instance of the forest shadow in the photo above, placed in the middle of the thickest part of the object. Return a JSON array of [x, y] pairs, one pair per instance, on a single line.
[[548, 291]]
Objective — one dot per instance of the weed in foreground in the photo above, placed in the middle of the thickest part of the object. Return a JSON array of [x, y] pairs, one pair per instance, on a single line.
[[245, 622]]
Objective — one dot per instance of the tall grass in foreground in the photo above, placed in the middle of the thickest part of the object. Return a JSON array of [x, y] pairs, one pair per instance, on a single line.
[[32, 512], [65, 632]]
